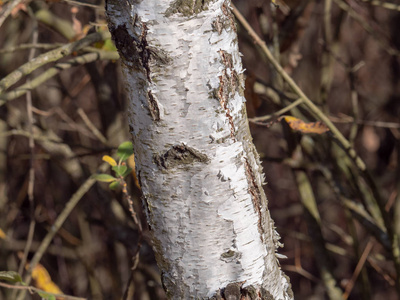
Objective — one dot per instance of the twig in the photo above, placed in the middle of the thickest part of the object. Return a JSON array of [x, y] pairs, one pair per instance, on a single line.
[[31, 182], [30, 46], [387, 5], [313, 220], [390, 50], [86, 58], [313, 108], [8, 9], [84, 4], [297, 267], [128, 198], [50, 56], [357, 270], [91, 126], [354, 106], [342, 141], [19, 245], [45, 47], [382, 272], [72, 202], [25, 133], [60, 25], [326, 59], [32, 289], [278, 82], [380, 124], [278, 113]]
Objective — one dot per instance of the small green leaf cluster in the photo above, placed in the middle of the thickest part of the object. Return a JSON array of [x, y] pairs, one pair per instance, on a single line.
[[14, 277], [11, 276], [120, 168]]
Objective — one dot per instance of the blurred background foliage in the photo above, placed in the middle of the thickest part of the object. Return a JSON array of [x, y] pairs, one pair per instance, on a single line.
[[334, 199]]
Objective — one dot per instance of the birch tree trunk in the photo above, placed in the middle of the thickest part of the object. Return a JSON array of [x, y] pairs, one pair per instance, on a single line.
[[198, 168]]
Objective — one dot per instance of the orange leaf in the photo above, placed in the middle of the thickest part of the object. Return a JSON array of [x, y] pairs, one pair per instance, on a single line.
[[132, 165], [43, 280], [111, 161], [300, 125]]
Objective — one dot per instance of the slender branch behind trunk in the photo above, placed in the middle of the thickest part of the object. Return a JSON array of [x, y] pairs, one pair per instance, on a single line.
[[199, 171]]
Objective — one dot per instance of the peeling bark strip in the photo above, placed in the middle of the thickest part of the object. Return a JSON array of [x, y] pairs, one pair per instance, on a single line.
[[153, 107], [199, 171], [254, 191], [227, 87]]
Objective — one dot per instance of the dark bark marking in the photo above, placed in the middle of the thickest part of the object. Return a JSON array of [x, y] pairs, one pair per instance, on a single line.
[[266, 294], [125, 43], [144, 51], [230, 256], [225, 23], [217, 25], [250, 293], [227, 85], [217, 296], [160, 57], [187, 7], [254, 191], [227, 12], [153, 106], [178, 156], [133, 49], [232, 291]]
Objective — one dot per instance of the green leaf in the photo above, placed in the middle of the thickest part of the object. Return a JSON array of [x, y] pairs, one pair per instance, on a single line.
[[104, 177], [47, 296], [10, 276], [114, 185], [127, 172], [125, 150], [119, 170], [109, 45]]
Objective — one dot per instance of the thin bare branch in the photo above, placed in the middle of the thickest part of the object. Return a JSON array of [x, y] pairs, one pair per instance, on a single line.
[[50, 56]]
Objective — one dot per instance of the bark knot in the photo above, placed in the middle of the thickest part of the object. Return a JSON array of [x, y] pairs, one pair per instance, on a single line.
[[153, 106], [179, 156], [187, 8]]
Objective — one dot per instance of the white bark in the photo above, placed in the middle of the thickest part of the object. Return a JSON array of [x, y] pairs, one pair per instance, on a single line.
[[199, 171]]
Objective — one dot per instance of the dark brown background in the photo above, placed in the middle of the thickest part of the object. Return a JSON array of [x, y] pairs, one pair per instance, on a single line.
[[91, 254]]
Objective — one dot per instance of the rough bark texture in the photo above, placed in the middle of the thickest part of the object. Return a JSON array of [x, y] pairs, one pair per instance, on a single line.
[[199, 171]]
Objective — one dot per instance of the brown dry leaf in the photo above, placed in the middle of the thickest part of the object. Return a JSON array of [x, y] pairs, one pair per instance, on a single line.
[[300, 125]]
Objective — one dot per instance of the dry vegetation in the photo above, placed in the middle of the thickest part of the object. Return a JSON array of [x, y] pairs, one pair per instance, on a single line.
[[334, 195]]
